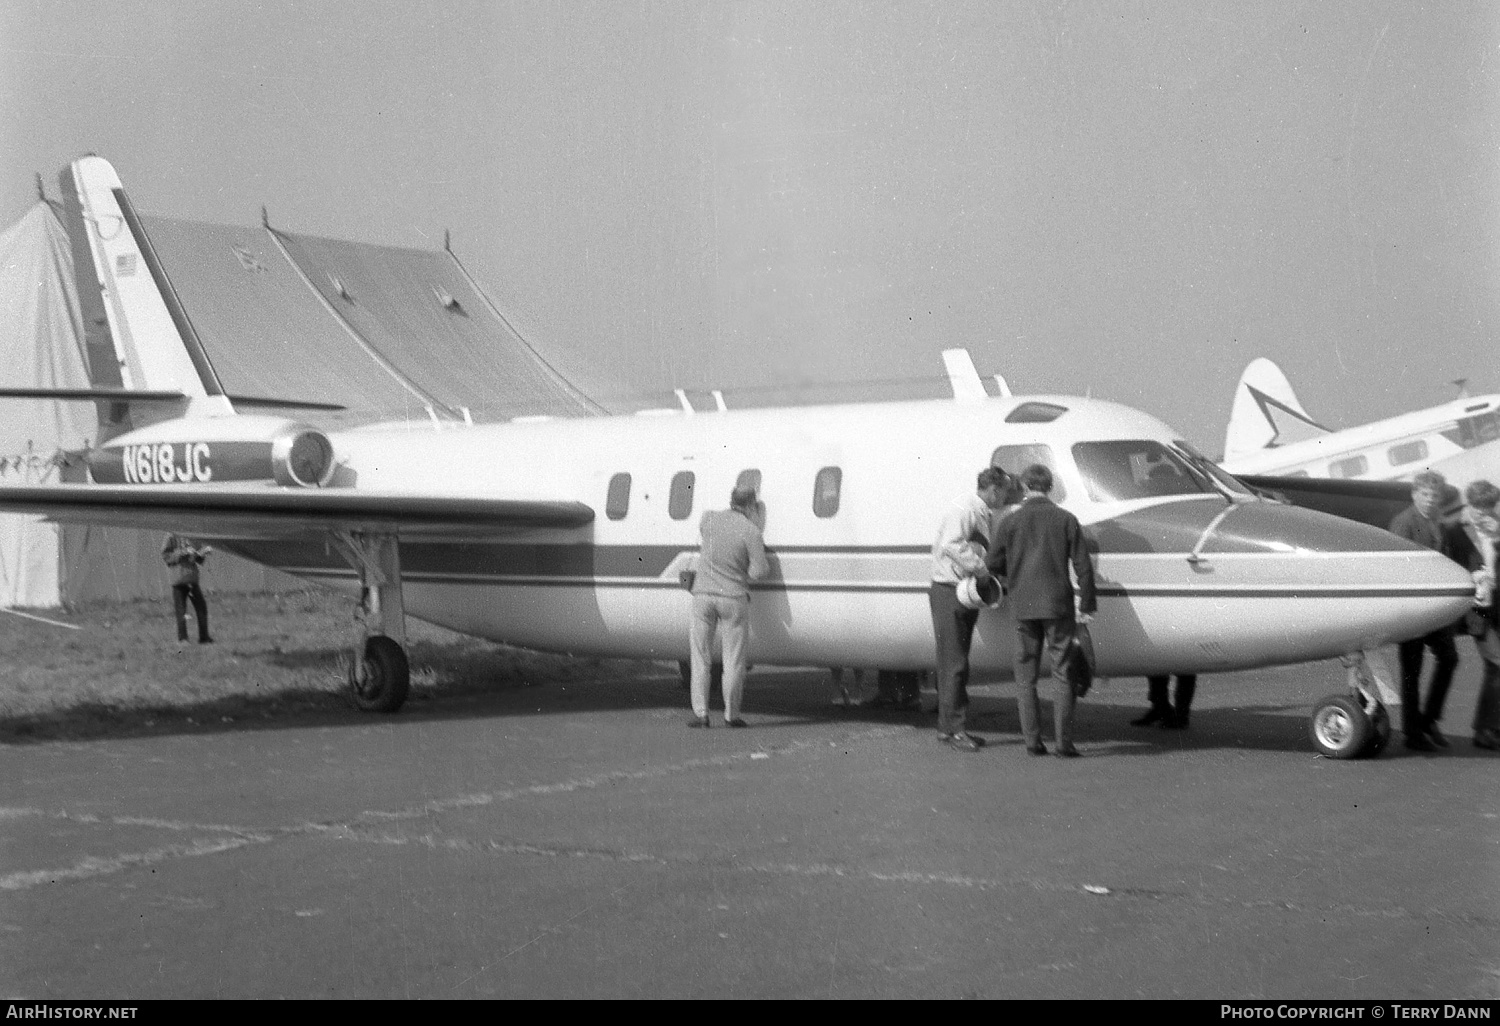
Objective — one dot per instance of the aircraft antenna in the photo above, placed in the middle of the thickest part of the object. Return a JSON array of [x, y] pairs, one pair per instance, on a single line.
[[41, 192], [265, 218], [682, 398], [1462, 384], [719, 400]]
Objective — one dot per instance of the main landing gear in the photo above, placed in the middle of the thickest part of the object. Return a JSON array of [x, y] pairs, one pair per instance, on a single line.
[[1357, 724], [379, 674]]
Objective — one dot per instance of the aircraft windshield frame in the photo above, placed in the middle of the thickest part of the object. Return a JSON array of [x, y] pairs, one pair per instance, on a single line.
[[1122, 470], [1222, 479]]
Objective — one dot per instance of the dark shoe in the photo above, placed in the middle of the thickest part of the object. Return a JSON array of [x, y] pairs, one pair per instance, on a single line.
[[1171, 721], [205, 641], [1436, 736], [1419, 743], [1036, 749], [881, 702], [962, 742], [1156, 712], [1487, 740], [1067, 752], [699, 721], [736, 722]]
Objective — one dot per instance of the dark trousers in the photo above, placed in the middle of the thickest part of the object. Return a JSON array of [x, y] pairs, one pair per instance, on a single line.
[[1030, 636], [1156, 692], [181, 593], [1415, 717], [953, 627], [1487, 708]]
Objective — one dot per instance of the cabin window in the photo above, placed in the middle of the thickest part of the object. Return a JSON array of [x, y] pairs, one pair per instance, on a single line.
[[1116, 471], [1407, 452], [1015, 458], [748, 479], [826, 489], [1354, 466], [680, 502], [617, 500]]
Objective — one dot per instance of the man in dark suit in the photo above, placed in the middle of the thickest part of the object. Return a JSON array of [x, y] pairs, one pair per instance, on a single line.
[[1034, 548], [1422, 524]]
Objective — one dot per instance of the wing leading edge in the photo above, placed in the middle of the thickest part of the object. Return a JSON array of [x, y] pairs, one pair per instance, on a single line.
[[270, 513]]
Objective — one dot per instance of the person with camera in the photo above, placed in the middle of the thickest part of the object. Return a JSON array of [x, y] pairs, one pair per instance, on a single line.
[[1482, 529], [185, 558]]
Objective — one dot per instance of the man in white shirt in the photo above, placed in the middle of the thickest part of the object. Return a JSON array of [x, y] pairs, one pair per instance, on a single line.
[[958, 552]]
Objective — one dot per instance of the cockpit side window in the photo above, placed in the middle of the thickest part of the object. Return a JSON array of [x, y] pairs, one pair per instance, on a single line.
[[1015, 458], [1115, 471]]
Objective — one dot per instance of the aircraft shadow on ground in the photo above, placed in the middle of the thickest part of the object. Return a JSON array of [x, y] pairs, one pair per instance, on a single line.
[[775, 698]]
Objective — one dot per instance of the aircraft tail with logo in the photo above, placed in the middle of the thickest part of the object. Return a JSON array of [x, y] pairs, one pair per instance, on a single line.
[[164, 415], [1266, 412]]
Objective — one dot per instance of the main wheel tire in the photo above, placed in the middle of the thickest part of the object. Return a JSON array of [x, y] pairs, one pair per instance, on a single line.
[[379, 681], [1340, 729], [1380, 731]]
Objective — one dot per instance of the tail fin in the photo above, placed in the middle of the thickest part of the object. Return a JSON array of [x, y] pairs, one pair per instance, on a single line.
[[153, 340], [1266, 412]]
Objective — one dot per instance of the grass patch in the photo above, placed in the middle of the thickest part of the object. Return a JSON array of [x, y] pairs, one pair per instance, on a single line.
[[275, 655]]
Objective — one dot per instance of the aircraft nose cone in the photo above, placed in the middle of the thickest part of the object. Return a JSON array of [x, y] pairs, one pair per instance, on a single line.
[[1260, 582]]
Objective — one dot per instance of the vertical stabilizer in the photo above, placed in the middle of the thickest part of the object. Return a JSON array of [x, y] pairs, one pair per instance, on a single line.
[[1266, 412], [154, 342], [962, 376]]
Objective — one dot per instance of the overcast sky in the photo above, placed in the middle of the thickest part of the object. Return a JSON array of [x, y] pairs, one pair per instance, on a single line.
[[1130, 198]]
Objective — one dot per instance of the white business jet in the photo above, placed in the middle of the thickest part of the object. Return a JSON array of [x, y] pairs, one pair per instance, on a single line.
[[569, 534]]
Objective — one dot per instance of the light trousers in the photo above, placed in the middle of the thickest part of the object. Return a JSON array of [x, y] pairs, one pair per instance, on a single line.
[[729, 619]]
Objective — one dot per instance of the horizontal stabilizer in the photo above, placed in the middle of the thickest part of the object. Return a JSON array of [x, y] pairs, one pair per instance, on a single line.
[[118, 395], [262, 402], [137, 395], [271, 513]]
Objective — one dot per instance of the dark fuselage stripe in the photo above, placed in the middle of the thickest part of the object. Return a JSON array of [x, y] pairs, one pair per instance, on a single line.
[[1113, 591]]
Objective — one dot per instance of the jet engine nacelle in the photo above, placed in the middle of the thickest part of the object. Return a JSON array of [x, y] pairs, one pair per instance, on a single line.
[[201, 450]]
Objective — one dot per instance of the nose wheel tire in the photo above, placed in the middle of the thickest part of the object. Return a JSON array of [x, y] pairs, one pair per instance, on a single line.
[[1340, 729], [380, 679]]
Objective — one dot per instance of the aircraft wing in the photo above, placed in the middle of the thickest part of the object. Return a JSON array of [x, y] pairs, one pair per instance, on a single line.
[[276, 512], [1370, 502]]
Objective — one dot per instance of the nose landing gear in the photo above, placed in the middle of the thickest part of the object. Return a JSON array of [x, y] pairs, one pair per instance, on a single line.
[[1358, 724]]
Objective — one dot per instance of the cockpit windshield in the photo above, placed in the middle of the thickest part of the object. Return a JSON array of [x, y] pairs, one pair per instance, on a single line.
[[1116, 471]]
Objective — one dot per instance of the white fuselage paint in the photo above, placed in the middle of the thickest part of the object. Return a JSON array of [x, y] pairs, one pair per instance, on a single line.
[[851, 589]]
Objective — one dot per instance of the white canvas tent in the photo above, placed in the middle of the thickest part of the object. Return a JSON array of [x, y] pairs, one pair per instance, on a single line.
[[41, 344]]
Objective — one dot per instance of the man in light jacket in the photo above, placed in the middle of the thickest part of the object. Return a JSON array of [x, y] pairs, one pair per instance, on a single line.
[[731, 555], [959, 551]]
